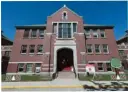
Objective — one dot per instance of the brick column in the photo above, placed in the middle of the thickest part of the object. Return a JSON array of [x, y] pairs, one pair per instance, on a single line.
[[33, 67], [25, 67]]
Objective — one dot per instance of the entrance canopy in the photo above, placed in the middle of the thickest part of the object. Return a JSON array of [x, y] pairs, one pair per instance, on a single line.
[[115, 63]]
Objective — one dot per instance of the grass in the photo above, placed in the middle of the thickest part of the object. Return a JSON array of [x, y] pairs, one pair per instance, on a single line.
[[35, 78], [3, 77], [100, 77], [31, 78]]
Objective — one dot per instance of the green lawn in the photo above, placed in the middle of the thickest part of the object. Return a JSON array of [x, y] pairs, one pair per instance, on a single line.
[[32, 78], [100, 77], [35, 78]]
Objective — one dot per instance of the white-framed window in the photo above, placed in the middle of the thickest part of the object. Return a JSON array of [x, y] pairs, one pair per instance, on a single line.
[[23, 49], [40, 49], [31, 49], [20, 67], [88, 33], [102, 33], [64, 30], [41, 33], [89, 48], [100, 66], [64, 15], [105, 49], [97, 48], [7, 53], [108, 67], [33, 33], [95, 33], [29, 67], [55, 28]]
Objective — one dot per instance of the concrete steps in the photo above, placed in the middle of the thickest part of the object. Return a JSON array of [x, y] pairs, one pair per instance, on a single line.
[[66, 75]]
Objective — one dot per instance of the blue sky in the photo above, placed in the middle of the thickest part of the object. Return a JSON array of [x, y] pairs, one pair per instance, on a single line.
[[27, 13]]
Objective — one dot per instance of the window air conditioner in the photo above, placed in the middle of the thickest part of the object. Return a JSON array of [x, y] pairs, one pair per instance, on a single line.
[[37, 69]]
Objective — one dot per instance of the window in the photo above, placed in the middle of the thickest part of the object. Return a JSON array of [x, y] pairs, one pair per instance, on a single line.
[[20, 67], [33, 33], [87, 33], [29, 67], [74, 27], [26, 33], [89, 48], [40, 49], [64, 16], [97, 48], [100, 66], [121, 52], [41, 33], [7, 53], [95, 33], [31, 48], [108, 67], [64, 30], [38, 67], [105, 48], [54, 27], [23, 49], [102, 34]]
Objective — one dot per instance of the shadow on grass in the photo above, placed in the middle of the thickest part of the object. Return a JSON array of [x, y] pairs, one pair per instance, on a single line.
[[114, 86]]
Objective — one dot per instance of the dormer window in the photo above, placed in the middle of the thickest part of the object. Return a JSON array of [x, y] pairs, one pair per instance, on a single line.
[[64, 15]]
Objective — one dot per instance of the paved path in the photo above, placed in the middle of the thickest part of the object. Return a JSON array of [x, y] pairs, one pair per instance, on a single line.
[[65, 84]]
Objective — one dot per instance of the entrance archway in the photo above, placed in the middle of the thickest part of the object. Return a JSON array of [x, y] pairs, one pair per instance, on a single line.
[[65, 60]]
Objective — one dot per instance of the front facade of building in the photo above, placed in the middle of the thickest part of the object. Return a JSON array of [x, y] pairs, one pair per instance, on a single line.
[[62, 44], [6, 48], [123, 50]]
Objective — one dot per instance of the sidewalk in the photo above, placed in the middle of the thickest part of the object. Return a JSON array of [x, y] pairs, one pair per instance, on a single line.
[[64, 83]]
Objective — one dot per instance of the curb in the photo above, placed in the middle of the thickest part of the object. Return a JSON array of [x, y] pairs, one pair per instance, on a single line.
[[61, 86]]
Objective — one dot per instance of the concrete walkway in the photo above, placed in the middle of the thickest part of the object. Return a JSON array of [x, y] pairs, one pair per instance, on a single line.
[[63, 83]]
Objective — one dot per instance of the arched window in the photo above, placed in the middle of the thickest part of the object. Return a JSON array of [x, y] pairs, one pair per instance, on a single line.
[[64, 15]]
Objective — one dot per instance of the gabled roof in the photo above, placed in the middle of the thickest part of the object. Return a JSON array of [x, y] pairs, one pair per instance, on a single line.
[[124, 37], [68, 9]]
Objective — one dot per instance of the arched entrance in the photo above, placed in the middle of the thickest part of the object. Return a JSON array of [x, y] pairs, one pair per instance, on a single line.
[[65, 60]]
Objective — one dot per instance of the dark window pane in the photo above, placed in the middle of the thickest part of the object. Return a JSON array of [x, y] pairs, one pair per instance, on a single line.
[[41, 33], [26, 33], [33, 33], [23, 48], [31, 48], [74, 27]]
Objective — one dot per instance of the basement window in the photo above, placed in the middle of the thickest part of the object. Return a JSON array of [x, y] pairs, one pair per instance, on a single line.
[[21, 67]]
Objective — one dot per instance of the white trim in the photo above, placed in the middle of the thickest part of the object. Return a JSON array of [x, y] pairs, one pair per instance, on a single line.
[[122, 49], [81, 64], [81, 68], [47, 52], [45, 68], [73, 47], [82, 53], [98, 61], [48, 33], [80, 33], [47, 65], [64, 22], [25, 62]]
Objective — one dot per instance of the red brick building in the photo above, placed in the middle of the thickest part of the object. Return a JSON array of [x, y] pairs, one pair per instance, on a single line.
[[123, 50], [63, 42], [6, 48]]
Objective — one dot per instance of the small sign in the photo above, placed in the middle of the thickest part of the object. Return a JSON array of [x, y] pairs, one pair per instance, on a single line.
[[13, 78], [90, 68]]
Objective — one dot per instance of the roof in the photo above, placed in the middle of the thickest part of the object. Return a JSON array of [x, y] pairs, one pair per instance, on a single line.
[[68, 9], [31, 26], [44, 25], [5, 38], [97, 26], [124, 37]]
